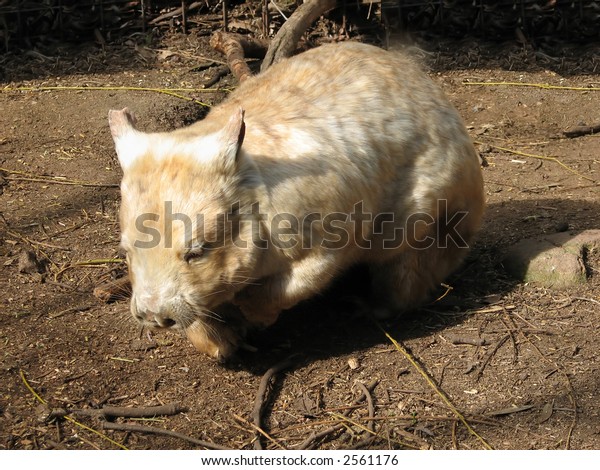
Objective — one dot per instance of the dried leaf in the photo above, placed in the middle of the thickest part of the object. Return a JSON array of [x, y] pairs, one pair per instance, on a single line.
[[546, 412]]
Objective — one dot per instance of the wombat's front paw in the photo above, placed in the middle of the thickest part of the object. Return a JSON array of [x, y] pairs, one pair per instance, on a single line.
[[254, 308], [218, 342]]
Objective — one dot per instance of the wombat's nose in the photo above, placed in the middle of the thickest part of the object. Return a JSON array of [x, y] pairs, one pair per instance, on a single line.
[[159, 319], [164, 321]]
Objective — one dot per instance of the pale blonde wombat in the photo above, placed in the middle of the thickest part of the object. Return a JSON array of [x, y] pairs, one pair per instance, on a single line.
[[343, 154]]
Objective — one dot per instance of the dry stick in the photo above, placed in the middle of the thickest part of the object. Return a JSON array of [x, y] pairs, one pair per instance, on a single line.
[[370, 406], [236, 48], [177, 11], [164, 432], [68, 418], [121, 411], [266, 18], [88, 263], [24, 176], [307, 443], [225, 16], [261, 396], [587, 300], [571, 394], [578, 131], [489, 355], [66, 183], [80, 308], [510, 331], [508, 411], [405, 421], [461, 339], [539, 157], [285, 41], [433, 385], [221, 71], [165, 91], [184, 16], [371, 424], [532, 85], [346, 420], [259, 430]]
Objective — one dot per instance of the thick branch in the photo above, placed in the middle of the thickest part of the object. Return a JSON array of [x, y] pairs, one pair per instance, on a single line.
[[582, 130], [261, 396], [165, 432], [285, 41], [235, 48]]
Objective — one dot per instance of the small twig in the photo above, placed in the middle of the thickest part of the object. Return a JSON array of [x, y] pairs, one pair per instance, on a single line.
[[184, 16], [175, 92], [571, 393], [48, 245], [88, 263], [493, 309], [371, 424], [370, 406], [24, 176], [65, 182], [489, 355], [307, 443], [587, 300], [434, 386], [176, 12], [77, 376], [279, 10], [68, 418], [79, 308], [259, 430], [578, 131], [460, 339], [508, 411], [164, 432], [448, 290], [540, 188], [510, 329], [261, 395], [218, 75], [225, 17], [346, 420], [454, 440], [541, 157], [532, 85]]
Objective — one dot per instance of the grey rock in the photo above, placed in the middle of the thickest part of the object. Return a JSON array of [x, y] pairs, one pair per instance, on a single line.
[[555, 261]]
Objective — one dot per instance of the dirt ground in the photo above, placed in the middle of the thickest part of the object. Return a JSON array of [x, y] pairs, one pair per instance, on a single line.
[[533, 383]]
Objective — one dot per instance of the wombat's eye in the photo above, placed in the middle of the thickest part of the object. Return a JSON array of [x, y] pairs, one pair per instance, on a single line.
[[193, 254]]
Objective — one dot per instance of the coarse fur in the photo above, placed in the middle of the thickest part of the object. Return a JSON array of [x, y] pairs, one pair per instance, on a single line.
[[306, 169]]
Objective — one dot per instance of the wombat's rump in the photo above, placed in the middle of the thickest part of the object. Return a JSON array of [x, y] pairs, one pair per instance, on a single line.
[[343, 154]]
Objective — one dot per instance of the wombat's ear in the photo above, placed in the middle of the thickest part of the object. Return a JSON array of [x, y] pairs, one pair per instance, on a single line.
[[232, 137], [129, 143]]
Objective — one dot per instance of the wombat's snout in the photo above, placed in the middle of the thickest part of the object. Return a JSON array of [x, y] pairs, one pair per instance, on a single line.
[[159, 319], [153, 316]]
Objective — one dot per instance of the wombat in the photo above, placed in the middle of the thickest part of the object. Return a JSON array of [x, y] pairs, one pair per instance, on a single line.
[[343, 154]]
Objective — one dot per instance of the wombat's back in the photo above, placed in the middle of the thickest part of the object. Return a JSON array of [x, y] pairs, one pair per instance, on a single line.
[[362, 116]]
